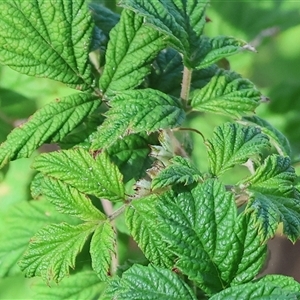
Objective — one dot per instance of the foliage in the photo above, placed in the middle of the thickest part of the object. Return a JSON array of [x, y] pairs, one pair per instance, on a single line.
[[125, 170]]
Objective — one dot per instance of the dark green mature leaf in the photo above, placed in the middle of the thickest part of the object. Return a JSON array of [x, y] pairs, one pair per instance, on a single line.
[[166, 75], [234, 144], [70, 201], [104, 18], [47, 39], [149, 283], [83, 285], [131, 49], [179, 171], [77, 167], [181, 21], [138, 111], [214, 49], [131, 155], [18, 225], [142, 221], [215, 247], [51, 123], [277, 138], [227, 93], [271, 287], [53, 250], [102, 249]]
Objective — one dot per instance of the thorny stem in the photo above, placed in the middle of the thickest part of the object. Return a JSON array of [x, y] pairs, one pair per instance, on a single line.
[[185, 85], [117, 212]]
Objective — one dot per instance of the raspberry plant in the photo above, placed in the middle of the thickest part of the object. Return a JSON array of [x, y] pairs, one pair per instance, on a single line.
[[125, 156]]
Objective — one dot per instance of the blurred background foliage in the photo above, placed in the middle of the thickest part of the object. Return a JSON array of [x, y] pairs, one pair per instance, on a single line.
[[272, 26]]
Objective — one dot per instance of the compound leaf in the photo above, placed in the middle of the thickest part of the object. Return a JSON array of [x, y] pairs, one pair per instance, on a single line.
[[181, 21], [138, 111], [179, 171], [234, 144], [150, 282], [280, 141], [47, 39], [131, 49], [195, 222], [270, 287], [227, 93], [82, 285], [102, 248], [69, 200], [18, 225], [77, 167], [53, 250], [51, 123], [141, 219]]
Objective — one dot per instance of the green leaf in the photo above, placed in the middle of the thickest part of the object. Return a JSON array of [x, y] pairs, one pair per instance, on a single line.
[[131, 155], [271, 287], [280, 141], [78, 168], [69, 200], [131, 49], [274, 198], [179, 171], [83, 285], [51, 123], [102, 249], [194, 222], [53, 250], [45, 39], [234, 144], [142, 221], [181, 21], [227, 93], [138, 111], [214, 49], [18, 225], [166, 74], [275, 176], [150, 282]]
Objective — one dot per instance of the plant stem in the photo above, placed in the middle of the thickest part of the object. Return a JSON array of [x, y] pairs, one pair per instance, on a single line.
[[186, 84]]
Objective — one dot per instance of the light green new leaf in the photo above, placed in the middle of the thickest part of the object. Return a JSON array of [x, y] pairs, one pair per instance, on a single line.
[[47, 39], [275, 176], [131, 155], [82, 285], [142, 221], [280, 141], [202, 228], [181, 21], [18, 225], [77, 167], [271, 287], [50, 123], [138, 111], [102, 249], [180, 170], [149, 283], [234, 144], [214, 49], [227, 93], [53, 250], [130, 51], [69, 200]]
